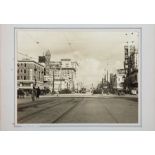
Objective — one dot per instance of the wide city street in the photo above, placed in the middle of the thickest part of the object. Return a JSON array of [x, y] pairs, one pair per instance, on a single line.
[[78, 109]]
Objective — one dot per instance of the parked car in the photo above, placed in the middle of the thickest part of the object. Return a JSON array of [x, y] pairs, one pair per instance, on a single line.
[[65, 91], [20, 93], [83, 90]]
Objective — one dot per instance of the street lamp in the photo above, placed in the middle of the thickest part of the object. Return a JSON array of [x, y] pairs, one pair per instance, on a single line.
[[35, 76], [53, 82]]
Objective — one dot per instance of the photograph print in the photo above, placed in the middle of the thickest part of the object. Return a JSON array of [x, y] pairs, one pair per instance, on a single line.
[[77, 76]]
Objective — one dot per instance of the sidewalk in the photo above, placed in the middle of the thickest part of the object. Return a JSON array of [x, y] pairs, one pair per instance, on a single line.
[[89, 95], [28, 99]]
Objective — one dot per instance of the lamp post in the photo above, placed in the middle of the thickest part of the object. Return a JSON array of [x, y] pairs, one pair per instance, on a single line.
[[35, 69], [107, 81], [53, 82], [77, 88]]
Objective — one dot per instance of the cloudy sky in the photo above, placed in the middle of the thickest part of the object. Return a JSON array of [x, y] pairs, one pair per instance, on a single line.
[[96, 50]]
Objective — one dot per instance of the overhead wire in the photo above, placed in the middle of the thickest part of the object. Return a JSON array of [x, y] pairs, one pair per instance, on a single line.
[[27, 56], [36, 42]]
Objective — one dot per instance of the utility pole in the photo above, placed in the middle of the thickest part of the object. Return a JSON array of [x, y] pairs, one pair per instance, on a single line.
[[92, 86], [102, 85], [107, 76], [77, 88], [35, 83], [102, 82], [67, 84], [107, 80], [53, 82], [107, 83]]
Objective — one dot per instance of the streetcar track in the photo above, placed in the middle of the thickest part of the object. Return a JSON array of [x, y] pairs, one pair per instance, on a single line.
[[111, 114], [28, 105], [36, 112], [65, 113], [29, 116], [21, 107]]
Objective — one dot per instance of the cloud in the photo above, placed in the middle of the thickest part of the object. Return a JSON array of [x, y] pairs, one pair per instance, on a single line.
[[89, 71], [95, 50]]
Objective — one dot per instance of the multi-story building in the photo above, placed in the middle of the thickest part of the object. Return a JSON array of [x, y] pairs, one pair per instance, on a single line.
[[61, 74], [29, 74], [69, 72], [133, 77], [134, 60], [126, 59], [112, 82], [118, 79], [131, 67]]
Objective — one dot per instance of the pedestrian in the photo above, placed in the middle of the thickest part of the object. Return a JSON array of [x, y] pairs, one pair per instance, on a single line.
[[33, 93], [38, 92], [57, 93]]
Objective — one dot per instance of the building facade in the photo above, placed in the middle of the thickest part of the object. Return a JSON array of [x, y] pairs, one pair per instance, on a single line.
[[126, 59], [118, 79], [131, 68], [61, 75], [29, 74]]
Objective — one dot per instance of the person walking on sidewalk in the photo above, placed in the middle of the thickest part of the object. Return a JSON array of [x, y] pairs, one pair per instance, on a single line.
[[38, 93], [33, 93]]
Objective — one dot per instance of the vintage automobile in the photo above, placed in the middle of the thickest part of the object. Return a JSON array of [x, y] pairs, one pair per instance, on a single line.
[[20, 93]]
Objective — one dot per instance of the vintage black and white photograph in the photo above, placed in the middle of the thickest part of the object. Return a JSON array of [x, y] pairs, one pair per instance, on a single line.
[[77, 76]]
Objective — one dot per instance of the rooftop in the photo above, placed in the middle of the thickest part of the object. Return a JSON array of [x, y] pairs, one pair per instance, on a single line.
[[27, 60]]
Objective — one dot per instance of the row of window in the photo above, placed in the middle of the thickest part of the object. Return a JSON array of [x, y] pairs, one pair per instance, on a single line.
[[21, 77], [25, 78], [36, 67], [21, 64], [22, 71], [25, 71]]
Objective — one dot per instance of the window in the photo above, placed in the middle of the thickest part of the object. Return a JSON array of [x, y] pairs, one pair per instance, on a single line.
[[126, 66], [24, 77], [17, 77], [21, 77], [21, 70], [18, 70], [25, 64], [24, 70], [135, 77]]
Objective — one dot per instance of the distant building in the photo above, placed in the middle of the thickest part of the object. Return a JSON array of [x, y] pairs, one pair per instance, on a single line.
[[61, 74], [134, 60], [118, 79], [133, 77], [47, 57], [112, 81], [131, 67], [126, 59], [29, 73]]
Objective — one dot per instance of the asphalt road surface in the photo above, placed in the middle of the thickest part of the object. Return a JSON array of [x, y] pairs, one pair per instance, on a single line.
[[79, 110]]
